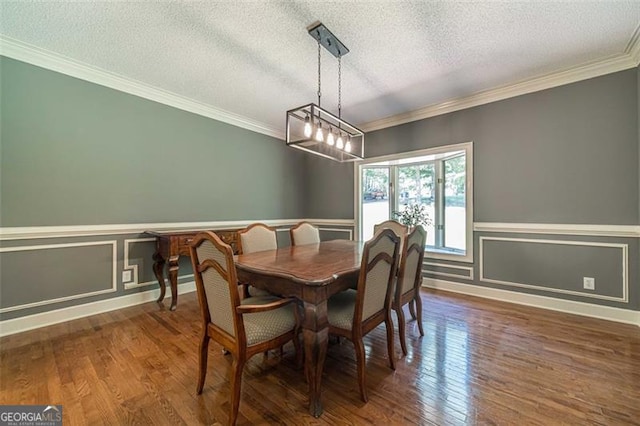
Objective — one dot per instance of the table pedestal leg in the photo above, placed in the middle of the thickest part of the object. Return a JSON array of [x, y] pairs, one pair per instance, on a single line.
[[316, 336], [173, 280], [158, 270]]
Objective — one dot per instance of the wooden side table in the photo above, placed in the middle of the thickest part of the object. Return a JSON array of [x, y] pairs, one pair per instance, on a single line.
[[170, 245]]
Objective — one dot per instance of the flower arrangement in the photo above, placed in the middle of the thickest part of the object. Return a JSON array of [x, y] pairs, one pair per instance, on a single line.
[[413, 215]]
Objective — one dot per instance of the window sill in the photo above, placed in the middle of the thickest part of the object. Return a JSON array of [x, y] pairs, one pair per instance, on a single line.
[[443, 254]]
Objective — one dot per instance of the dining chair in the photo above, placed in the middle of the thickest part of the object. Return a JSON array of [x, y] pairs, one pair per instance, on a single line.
[[409, 280], [304, 233], [354, 313], [253, 238], [244, 328]]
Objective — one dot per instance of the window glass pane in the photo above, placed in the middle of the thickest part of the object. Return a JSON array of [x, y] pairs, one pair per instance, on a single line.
[[416, 186], [375, 198], [454, 204]]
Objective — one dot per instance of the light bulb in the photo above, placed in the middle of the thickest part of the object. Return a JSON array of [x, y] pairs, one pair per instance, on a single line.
[[319, 134], [330, 138], [347, 146], [307, 127], [339, 142]]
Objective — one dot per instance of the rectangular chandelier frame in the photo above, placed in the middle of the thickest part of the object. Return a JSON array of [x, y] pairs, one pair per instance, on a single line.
[[296, 138]]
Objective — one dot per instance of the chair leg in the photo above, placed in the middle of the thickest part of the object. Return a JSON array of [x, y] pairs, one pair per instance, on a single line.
[[388, 322], [419, 308], [204, 355], [236, 387], [412, 310], [402, 329], [360, 360]]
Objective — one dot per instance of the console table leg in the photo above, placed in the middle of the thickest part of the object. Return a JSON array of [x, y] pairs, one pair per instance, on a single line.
[[173, 279], [158, 270]]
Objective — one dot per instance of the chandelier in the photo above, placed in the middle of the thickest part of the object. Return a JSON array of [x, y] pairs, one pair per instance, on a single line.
[[316, 130]]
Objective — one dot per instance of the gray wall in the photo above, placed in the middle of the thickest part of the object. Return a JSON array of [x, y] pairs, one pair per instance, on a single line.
[[567, 155], [76, 153]]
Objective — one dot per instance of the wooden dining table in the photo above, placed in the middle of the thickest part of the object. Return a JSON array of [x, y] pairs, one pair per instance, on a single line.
[[311, 273]]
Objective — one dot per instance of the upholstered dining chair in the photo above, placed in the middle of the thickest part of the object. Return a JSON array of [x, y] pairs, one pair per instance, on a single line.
[[409, 280], [256, 237], [402, 231], [354, 313], [244, 328], [304, 233]]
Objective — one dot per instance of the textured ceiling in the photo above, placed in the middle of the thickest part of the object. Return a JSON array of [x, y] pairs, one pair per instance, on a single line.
[[256, 60]]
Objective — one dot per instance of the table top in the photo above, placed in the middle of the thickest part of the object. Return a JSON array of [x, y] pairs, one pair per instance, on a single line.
[[310, 264]]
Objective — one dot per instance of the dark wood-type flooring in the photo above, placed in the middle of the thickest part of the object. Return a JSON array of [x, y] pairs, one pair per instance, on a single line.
[[480, 362]]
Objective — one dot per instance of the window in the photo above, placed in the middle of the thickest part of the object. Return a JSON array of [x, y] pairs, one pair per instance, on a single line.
[[440, 179]]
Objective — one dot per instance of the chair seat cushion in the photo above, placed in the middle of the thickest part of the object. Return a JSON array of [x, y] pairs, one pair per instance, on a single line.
[[262, 326], [340, 309], [254, 291]]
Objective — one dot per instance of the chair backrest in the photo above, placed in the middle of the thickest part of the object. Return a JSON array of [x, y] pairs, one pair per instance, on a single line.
[[395, 226], [400, 230], [216, 284], [304, 233], [257, 237], [410, 270], [375, 283]]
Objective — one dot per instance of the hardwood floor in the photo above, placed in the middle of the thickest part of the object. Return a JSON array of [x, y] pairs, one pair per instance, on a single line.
[[480, 362]]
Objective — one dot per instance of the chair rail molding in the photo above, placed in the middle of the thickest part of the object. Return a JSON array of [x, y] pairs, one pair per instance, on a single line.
[[625, 231], [35, 232]]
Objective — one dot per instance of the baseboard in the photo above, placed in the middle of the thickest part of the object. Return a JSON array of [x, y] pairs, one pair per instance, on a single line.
[[561, 305], [30, 322]]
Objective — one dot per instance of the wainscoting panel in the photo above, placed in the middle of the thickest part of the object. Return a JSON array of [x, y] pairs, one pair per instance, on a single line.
[[447, 270], [51, 274], [557, 266], [37, 275]]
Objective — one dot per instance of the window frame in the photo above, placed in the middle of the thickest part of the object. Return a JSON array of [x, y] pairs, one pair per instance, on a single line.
[[430, 252]]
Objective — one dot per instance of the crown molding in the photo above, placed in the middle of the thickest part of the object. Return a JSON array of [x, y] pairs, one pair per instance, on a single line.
[[33, 55], [43, 58], [633, 48], [629, 59]]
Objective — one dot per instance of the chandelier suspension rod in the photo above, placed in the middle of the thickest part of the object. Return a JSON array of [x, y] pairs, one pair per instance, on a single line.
[[319, 80], [339, 85]]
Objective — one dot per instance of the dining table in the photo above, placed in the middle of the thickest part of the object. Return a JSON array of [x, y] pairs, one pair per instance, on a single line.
[[310, 273]]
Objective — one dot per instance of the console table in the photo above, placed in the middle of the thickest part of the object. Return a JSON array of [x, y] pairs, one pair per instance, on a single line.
[[170, 245]]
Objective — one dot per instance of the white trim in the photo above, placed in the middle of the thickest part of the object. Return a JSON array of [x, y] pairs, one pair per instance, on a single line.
[[633, 48], [34, 55], [544, 302], [632, 231], [446, 274], [625, 267], [35, 232], [114, 280], [586, 71], [30, 322]]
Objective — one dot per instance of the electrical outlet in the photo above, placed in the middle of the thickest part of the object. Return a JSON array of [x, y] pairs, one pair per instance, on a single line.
[[589, 283], [126, 276]]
